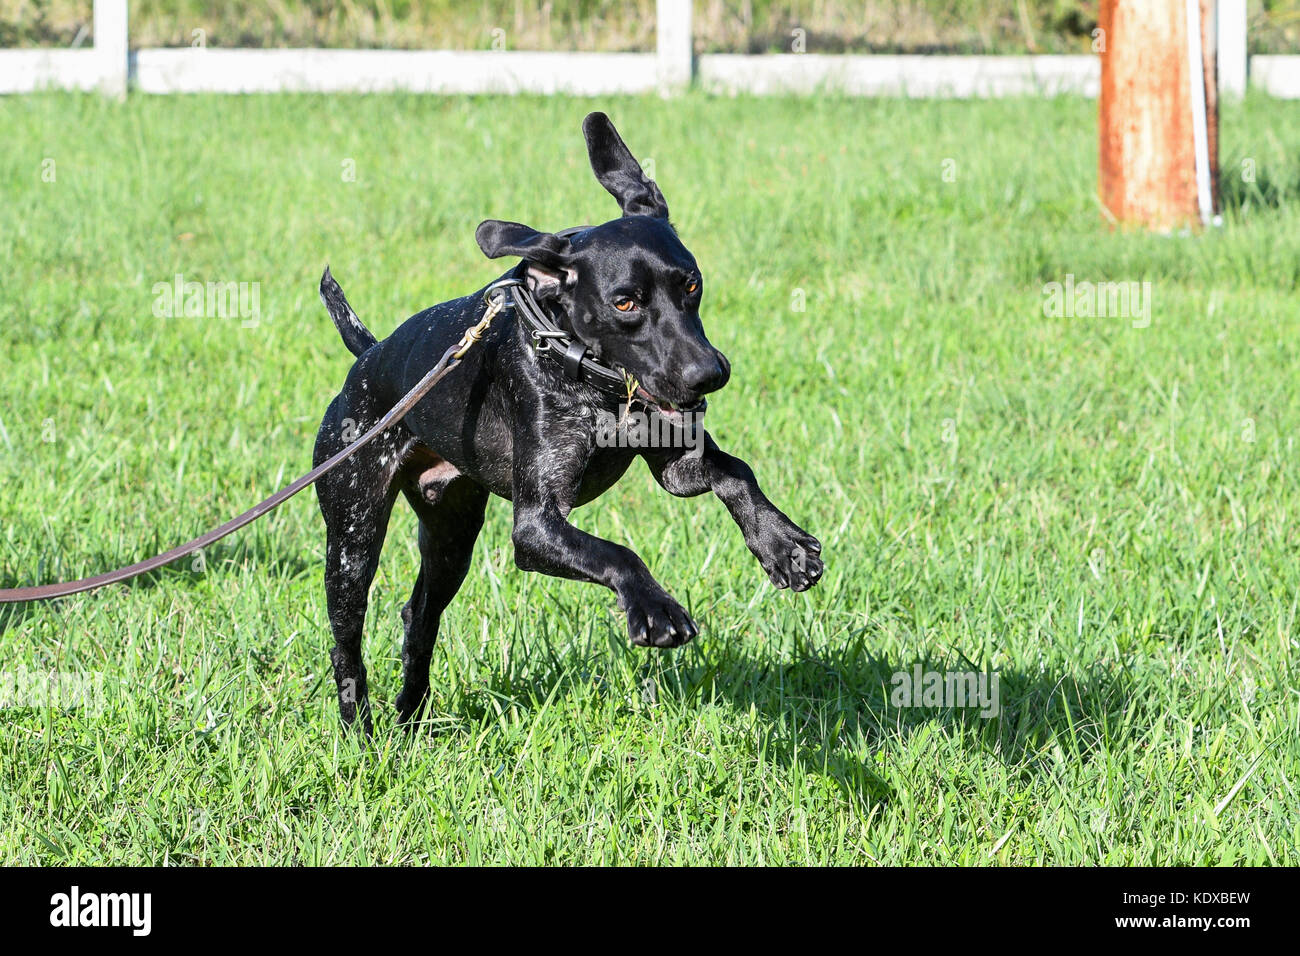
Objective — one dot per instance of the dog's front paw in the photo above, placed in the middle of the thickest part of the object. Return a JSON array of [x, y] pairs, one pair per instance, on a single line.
[[790, 556], [656, 620]]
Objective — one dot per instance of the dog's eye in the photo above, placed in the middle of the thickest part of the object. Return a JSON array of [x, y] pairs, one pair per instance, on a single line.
[[624, 304], [691, 286]]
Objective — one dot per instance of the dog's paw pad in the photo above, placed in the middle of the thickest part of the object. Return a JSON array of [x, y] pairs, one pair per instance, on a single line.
[[791, 557]]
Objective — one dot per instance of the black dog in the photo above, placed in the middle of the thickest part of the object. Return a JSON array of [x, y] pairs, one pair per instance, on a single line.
[[519, 418]]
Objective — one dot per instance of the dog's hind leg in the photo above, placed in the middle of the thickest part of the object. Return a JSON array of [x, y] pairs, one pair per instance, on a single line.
[[356, 500], [450, 508]]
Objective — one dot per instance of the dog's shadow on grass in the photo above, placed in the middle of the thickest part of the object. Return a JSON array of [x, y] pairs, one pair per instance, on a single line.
[[833, 712]]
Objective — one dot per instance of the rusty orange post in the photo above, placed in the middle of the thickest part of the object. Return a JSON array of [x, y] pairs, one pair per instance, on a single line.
[[1158, 132]]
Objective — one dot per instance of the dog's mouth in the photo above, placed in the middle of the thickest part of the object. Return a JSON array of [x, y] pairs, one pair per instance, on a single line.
[[672, 412]]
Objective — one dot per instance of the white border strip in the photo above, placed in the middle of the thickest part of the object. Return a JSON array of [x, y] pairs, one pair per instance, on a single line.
[[190, 70], [1276, 75], [27, 71], [912, 76]]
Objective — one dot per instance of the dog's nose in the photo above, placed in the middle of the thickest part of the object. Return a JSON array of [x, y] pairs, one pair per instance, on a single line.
[[707, 375]]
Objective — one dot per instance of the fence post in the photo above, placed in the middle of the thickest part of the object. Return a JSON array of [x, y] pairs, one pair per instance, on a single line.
[[111, 46], [1232, 47], [1158, 117], [673, 40]]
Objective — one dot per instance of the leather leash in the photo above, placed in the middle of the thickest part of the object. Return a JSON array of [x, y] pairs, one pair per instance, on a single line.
[[495, 298]]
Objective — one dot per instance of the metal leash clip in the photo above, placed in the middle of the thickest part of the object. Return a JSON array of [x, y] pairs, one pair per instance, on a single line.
[[542, 338], [495, 297]]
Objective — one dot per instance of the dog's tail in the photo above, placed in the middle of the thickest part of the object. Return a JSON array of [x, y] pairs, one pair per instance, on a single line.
[[356, 336]]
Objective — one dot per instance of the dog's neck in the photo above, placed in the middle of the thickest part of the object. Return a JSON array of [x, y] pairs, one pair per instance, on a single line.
[[542, 320], [545, 289]]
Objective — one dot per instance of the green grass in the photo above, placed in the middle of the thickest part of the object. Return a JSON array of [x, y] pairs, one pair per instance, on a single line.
[[1103, 514]]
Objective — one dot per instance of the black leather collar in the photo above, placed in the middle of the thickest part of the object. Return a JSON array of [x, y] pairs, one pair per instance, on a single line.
[[554, 344]]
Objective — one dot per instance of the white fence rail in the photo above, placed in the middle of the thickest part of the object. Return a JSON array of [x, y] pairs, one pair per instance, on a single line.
[[374, 71], [111, 66], [917, 76]]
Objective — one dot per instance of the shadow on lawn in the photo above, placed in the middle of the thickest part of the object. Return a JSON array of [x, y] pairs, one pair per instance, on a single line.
[[815, 709], [821, 710]]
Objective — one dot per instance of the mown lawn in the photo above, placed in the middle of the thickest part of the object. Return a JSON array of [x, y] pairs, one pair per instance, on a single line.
[[1102, 513]]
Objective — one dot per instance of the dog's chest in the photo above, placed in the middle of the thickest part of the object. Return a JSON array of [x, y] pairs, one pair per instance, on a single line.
[[604, 468]]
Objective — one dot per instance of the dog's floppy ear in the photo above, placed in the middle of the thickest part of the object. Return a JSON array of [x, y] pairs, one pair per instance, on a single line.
[[547, 255], [498, 238], [619, 172]]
